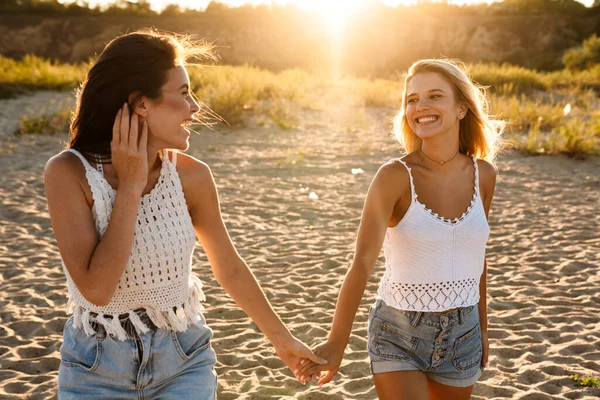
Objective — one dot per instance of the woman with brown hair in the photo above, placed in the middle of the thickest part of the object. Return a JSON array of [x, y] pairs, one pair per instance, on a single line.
[[126, 208]]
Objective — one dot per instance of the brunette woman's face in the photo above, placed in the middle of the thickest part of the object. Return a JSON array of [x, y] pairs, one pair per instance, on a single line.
[[431, 106], [167, 118]]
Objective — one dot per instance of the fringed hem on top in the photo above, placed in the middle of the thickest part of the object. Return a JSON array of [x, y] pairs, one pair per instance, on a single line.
[[176, 318]]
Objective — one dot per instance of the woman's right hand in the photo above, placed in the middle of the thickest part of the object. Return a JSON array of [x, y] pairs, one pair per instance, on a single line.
[[129, 151]]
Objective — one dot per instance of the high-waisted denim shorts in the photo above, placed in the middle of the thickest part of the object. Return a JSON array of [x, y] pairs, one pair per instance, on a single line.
[[446, 347], [159, 364]]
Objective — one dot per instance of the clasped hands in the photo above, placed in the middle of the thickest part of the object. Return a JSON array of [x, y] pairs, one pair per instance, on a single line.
[[308, 370]]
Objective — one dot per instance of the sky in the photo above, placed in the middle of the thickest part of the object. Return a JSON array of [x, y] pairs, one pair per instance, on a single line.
[[325, 6]]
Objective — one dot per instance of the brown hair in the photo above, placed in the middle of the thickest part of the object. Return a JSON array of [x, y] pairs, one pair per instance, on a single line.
[[130, 66], [479, 134]]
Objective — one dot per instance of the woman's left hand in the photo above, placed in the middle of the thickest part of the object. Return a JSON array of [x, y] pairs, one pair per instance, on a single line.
[[486, 349], [293, 350]]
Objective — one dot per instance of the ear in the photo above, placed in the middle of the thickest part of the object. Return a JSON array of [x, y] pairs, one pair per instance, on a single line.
[[462, 110], [139, 104]]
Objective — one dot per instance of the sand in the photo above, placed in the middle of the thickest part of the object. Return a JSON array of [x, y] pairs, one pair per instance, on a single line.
[[543, 256]]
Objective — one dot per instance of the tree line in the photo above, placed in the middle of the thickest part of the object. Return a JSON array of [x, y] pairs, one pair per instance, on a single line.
[[436, 7]]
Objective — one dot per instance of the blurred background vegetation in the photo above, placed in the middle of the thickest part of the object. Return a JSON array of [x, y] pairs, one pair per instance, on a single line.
[[538, 59], [377, 41]]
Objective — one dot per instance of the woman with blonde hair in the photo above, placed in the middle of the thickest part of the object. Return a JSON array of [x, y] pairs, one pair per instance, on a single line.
[[427, 335], [127, 206]]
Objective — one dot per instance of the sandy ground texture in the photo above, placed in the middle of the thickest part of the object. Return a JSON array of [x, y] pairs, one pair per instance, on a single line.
[[543, 255]]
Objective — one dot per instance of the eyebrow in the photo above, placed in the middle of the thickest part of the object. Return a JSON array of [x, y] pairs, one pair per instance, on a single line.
[[432, 90]]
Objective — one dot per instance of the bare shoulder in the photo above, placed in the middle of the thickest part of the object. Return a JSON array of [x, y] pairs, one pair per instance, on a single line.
[[393, 177], [64, 177], [487, 178], [192, 171], [63, 166], [393, 169], [196, 177], [487, 172]]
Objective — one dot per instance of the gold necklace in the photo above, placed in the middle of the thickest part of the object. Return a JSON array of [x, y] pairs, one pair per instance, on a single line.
[[439, 162]]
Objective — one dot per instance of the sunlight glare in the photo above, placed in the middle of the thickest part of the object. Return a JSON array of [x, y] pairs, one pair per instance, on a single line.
[[334, 12]]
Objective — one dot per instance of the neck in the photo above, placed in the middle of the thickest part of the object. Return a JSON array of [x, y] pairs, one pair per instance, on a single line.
[[439, 154], [440, 149], [153, 158]]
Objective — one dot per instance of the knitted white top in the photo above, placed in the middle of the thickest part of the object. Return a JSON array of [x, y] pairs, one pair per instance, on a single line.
[[433, 263], [158, 274]]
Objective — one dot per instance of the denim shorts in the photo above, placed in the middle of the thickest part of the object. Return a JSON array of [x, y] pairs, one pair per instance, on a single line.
[[159, 364], [446, 347]]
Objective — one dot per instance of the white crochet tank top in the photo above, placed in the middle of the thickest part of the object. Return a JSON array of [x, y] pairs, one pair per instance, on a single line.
[[158, 274], [433, 263]]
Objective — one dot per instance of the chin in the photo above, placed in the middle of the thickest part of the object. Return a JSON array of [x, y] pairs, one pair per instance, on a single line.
[[426, 135]]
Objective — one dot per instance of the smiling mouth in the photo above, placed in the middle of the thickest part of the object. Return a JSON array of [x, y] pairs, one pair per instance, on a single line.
[[426, 120]]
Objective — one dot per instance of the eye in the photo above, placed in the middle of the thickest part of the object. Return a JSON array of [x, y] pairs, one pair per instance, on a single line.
[[413, 100], [185, 93], [435, 96]]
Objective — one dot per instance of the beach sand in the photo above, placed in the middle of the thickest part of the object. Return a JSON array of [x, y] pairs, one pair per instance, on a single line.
[[543, 257]]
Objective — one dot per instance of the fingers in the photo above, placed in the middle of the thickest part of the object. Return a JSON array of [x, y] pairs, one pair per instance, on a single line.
[[124, 125], [302, 366], [133, 131], [309, 367], [305, 365], [308, 371], [316, 359], [327, 378], [314, 369], [126, 129]]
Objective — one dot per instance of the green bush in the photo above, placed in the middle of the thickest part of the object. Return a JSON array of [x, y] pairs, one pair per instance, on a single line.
[[586, 381], [507, 78], [34, 72], [52, 119], [584, 56]]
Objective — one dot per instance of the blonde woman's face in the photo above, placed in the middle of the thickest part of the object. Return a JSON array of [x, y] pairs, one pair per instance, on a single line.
[[431, 107]]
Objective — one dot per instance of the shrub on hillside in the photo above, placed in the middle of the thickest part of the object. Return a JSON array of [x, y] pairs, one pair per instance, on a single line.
[[585, 56]]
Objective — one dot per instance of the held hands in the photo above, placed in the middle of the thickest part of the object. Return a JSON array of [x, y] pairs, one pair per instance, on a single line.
[[129, 152], [293, 351], [308, 370]]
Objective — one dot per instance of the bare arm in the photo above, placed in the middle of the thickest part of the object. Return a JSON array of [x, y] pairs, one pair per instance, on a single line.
[[487, 187], [229, 268], [382, 197], [96, 265], [376, 215]]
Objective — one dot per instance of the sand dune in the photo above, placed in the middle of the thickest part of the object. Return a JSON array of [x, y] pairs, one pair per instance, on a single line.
[[543, 255]]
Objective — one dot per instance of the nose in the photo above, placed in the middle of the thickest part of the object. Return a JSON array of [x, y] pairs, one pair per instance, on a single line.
[[194, 105], [423, 104]]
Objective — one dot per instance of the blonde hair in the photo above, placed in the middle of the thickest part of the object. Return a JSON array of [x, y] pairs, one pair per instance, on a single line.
[[479, 133]]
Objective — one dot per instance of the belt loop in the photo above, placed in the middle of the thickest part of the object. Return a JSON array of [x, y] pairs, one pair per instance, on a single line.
[[461, 315], [416, 318]]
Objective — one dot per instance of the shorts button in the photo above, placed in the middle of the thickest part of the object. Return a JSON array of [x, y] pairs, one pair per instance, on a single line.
[[437, 357], [440, 340]]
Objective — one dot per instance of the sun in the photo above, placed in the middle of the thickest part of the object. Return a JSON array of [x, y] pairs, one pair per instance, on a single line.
[[335, 13]]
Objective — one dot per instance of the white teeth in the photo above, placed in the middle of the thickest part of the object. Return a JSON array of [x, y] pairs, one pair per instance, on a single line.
[[426, 119]]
